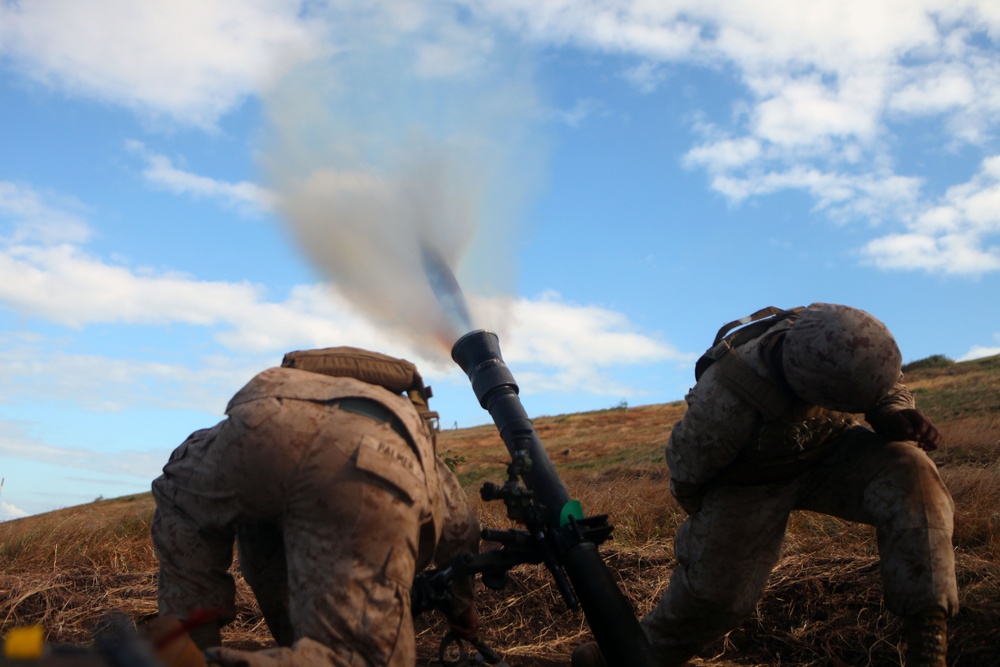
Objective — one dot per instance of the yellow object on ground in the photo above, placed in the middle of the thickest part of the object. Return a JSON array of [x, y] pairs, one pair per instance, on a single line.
[[27, 643]]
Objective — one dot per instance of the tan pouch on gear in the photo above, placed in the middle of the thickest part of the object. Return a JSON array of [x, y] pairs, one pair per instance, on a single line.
[[397, 375]]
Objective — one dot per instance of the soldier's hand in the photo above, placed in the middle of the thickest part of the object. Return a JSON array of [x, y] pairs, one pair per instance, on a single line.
[[172, 643], [906, 424]]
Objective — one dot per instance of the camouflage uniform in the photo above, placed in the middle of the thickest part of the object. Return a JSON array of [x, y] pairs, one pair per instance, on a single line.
[[747, 453], [361, 505]]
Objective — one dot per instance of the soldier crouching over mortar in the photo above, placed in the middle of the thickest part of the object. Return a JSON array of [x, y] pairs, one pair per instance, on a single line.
[[325, 475], [772, 426]]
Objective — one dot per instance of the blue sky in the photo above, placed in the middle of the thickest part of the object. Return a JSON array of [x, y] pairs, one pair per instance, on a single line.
[[190, 189]]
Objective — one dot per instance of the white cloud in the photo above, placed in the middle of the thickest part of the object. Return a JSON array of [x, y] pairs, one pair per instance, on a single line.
[[646, 76], [938, 88], [873, 195], [974, 205], [581, 110], [823, 84], [549, 331], [805, 111], [247, 197], [978, 352], [562, 347], [16, 443], [62, 284], [782, 38], [8, 511], [137, 463], [725, 154], [964, 91], [955, 254], [33, 217], [555, 347], [192, 62], [647, 29], [567, 341], [187, 60], [957, 235], [40, 371]]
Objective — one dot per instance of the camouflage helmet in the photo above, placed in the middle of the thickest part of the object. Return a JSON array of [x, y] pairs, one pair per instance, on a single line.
[[840, 358]]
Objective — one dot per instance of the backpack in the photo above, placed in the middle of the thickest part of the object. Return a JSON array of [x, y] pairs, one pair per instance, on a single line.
[[397, 375], [770, 399], [752, 326]]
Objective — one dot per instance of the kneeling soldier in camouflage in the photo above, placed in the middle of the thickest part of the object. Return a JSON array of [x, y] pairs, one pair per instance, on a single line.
[[326, 476], [772, 426]]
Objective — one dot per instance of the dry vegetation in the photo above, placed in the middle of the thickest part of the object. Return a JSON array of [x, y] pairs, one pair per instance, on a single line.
[[823, 605]]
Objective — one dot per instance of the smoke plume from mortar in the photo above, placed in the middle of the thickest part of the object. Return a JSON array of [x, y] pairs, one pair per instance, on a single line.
[[390, 177]]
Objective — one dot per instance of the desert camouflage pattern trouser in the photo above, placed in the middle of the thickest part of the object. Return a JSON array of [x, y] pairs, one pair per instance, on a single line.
[[728, 548], [351, 500]]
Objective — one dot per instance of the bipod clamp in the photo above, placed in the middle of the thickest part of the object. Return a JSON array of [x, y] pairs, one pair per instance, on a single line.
[[516, 497], [456, 651]]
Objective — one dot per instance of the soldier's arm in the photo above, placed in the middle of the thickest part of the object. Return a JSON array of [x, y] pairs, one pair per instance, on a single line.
[[897, 398], [715, 428], [460, 535], [896, 417]]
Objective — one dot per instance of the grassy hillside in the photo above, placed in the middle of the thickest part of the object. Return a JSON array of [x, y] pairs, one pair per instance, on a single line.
[[823, 605]]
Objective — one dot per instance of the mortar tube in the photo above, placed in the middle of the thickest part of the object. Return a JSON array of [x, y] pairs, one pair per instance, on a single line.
[[609, 613]]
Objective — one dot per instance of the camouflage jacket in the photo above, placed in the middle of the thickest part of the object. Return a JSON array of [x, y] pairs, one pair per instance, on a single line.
[[753, 436], [450, 528]]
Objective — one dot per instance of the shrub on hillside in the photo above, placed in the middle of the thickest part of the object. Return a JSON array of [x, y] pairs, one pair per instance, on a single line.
[[933, 361]]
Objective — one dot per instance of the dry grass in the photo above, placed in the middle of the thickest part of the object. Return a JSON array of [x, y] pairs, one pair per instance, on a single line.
[[823, 605]]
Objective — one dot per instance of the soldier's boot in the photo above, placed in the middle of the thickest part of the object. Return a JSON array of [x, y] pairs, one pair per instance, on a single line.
[[589, 655], [926, 636]]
